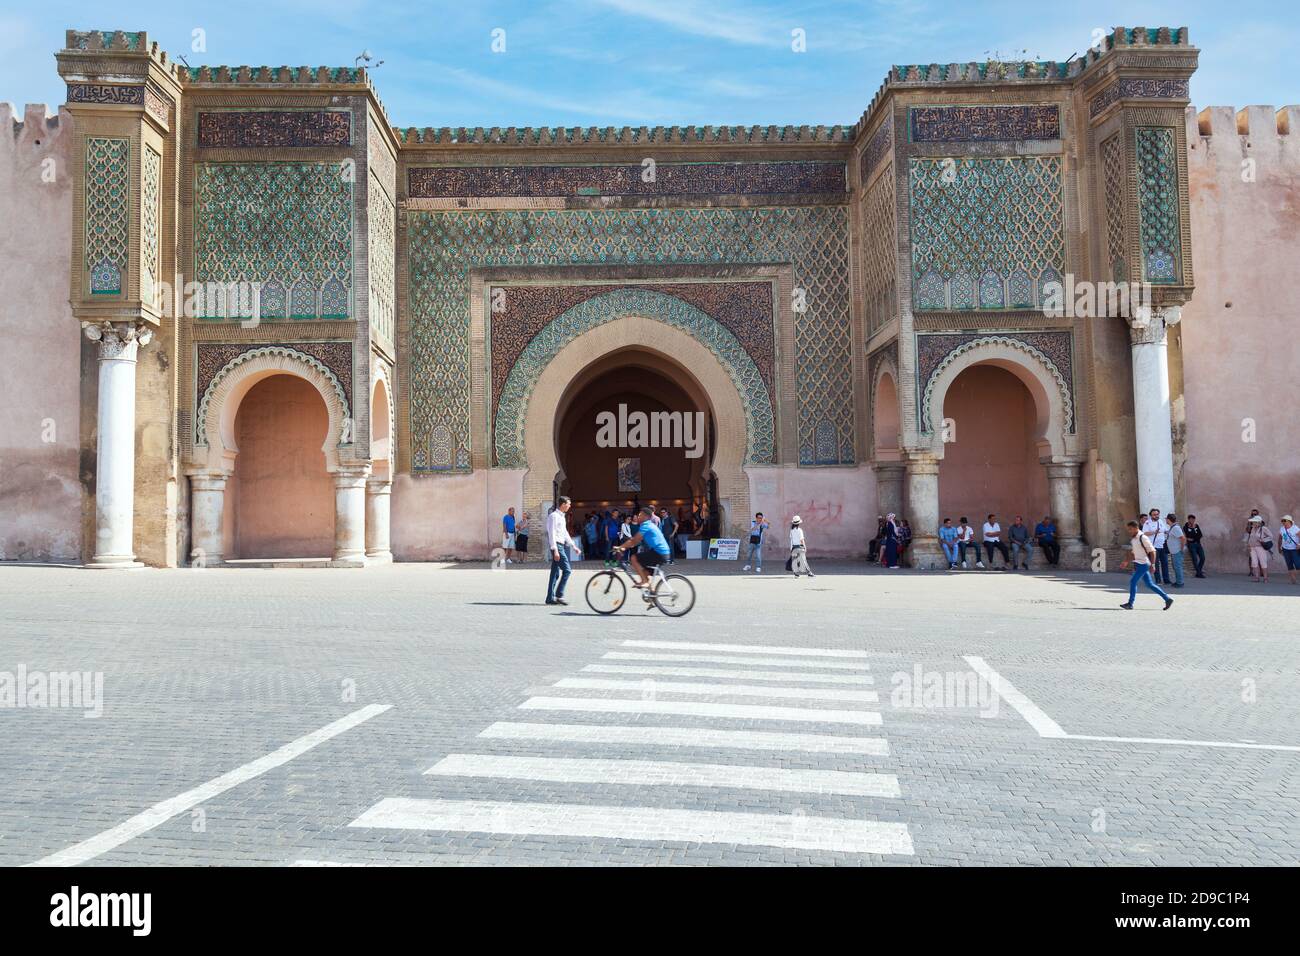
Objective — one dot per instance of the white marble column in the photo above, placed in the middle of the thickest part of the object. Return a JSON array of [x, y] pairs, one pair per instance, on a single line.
[[889, 487], [923, 511], [1063, 495], [350, 516], [115, 449], [1155, 444], [378, 499], [207, 519]]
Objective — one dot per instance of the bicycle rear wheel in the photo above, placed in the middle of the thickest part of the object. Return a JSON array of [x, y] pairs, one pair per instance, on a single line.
[[606, 592], [674, 595]]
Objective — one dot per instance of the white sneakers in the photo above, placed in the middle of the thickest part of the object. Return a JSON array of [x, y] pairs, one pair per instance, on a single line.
[[745, 568], [979, 564]]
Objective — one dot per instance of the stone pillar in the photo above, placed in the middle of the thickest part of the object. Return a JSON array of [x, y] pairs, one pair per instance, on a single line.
[[889, 487], [378, 499], [350, 517], [1155, 444], [1063, 495], [115, 449], [207, 519], [923, 511]]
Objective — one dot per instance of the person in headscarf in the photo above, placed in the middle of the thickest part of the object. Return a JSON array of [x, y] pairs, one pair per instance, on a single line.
[[891, 540]]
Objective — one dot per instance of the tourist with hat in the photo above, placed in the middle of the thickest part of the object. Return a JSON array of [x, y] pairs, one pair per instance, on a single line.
[[798, 549], [1259, 542]]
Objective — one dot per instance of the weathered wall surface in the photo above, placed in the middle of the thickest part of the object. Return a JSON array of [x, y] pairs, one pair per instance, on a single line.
[[838, 507], [40, 486], [1241, 331]]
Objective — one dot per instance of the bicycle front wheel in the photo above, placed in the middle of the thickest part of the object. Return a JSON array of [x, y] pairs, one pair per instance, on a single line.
[[674, 595], [606, 592]]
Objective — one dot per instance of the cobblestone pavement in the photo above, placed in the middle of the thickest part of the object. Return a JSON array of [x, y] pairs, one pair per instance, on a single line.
[[839, 720]]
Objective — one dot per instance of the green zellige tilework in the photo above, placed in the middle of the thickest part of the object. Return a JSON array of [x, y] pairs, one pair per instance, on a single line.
[[287, 226], [446, 245], [986, 233], [108, 203], [1157, 182]]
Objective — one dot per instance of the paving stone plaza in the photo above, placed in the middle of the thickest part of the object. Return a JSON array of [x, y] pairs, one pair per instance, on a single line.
[[439, 714]]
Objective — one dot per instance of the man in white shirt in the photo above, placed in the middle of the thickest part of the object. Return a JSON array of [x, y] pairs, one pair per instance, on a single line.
[[993, 539], [1174, 542], [1151, 524], [558, 542], [966, 539], [1143, 553], [1160, 570]]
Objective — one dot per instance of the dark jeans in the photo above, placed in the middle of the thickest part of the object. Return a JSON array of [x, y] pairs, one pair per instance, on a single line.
[[1162, 566], [1001, 546], [973, 545], [560, 571], [1197, 551], [1051, 550], [873, 549]]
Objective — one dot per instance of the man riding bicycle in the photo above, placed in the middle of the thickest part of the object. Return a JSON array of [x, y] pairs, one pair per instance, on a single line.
[[654, 547]]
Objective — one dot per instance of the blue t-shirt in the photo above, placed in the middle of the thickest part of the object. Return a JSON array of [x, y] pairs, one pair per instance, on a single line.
[[1046, 532], [947, 535], [508, 522], [653, 539]]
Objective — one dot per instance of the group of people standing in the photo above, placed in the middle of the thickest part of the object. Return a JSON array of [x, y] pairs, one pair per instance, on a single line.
[[1260, 542], [603, 531], [797, 563]]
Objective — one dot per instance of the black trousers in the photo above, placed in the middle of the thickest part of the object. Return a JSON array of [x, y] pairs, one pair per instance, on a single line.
[[1052, 550], [1001, 546]]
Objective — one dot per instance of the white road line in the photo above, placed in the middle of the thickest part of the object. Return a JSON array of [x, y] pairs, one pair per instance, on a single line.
[[747, 649], [746, 661], [724, 672], [1186, 743], [160, 813], [692, 708], [688, 737], [667, 773], [1027, 709], [793, 831], [718, 690]]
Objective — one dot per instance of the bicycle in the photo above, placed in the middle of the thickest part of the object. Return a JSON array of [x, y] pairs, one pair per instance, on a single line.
[[607, 592]]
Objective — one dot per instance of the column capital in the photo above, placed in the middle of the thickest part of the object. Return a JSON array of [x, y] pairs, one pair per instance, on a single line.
[[118, 340], [1148, 324], [379, 485], [889, 469], [351, 477]]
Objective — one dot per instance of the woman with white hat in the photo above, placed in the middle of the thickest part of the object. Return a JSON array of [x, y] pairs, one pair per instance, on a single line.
[[798, 549], [1289, 535], [1259, 542]]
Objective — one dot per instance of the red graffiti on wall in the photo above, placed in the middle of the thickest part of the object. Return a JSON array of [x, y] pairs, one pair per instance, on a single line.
[[813, 512]]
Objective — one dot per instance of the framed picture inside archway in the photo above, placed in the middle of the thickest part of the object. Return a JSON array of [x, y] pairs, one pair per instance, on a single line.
[[629, 474]]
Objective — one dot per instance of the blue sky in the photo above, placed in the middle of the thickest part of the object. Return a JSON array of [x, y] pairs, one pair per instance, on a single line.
[[635, 62]]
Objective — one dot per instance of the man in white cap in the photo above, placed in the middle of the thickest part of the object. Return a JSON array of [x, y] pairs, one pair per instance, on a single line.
[[1289, 536], [798, 549]]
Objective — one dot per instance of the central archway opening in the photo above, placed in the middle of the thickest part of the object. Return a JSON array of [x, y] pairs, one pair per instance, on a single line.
[[606, 462]]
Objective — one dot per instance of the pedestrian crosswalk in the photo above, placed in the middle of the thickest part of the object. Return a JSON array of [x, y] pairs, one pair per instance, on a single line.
[[579, 759]]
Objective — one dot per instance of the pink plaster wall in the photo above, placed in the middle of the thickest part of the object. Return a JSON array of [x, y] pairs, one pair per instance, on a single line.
[[458, 516], [1241, 330], [40, 487], [838, 506], [993, 465], [283, 496]]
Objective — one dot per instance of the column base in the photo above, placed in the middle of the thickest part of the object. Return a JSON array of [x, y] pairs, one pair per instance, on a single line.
[[1075, 555], [114, 562], [349, 561], [379, 557]]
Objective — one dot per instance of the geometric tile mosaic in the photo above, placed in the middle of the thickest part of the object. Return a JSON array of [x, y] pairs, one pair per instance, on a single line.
[[108, 194], [1112, 166], [382, 222], [150, 211], [978, 223], [283, 223], [1158, 206], [446, 245]]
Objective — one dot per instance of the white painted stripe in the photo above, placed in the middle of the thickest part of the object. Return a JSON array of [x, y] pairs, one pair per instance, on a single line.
[[725, 672], [1186, 743], [717, 690], [746, 661], [792, 831], [160, 813], [701, 709], [688, 737], [667, 773], [747, 648], [1027, 709]]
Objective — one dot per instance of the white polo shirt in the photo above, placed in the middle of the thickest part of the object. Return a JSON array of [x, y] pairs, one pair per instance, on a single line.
[[1139, 544], [992, 532], [966, 534], [1149, 527]]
